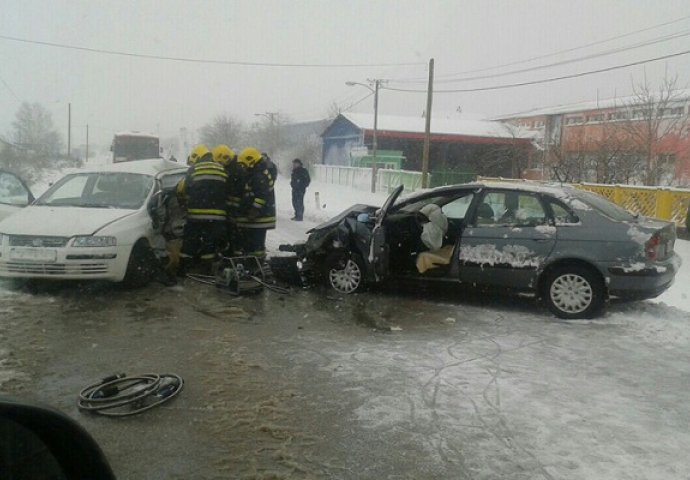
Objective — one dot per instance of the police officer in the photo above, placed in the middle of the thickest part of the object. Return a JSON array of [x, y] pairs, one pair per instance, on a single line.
[[299, 181], [258, 206], [226, 157], [203, 192]]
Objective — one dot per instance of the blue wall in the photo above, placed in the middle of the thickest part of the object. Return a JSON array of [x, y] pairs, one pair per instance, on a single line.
[[338, 139]]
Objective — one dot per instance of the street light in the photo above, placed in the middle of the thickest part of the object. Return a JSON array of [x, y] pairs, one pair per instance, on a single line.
[[375, 91]]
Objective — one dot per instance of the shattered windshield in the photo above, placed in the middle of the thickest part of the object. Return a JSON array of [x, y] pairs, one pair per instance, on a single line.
[[99, 190]]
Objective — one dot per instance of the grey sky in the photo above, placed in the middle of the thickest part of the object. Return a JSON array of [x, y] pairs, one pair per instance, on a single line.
[[114, 93]]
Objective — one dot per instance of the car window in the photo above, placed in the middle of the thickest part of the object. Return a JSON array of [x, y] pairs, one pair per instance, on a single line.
[[457, 208], [99, 190], [561, 214], [518, 209], [12, 191], [602, 205]]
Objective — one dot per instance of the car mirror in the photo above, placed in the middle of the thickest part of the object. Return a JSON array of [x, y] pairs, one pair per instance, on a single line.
[[41, 443]]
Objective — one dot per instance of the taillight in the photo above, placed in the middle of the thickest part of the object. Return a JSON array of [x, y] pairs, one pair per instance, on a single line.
[[651, 248]]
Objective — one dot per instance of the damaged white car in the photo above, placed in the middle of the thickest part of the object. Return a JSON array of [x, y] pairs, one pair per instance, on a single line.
[[99, 223]]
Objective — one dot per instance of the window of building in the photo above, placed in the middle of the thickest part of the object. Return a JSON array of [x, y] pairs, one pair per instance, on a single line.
[[677, 111], [596, 118], [574, 120]]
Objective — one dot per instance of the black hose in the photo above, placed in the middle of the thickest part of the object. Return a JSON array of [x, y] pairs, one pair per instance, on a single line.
[[122, 396]]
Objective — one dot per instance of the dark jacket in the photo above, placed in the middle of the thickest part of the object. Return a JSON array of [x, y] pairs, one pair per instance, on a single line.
[[204, 191], [258, 206], [300, 179], [236, 187]]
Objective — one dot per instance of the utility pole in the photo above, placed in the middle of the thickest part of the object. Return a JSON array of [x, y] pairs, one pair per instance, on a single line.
[[375, 143], [69, 130], [87, 144], [274, 131], [427, 129]]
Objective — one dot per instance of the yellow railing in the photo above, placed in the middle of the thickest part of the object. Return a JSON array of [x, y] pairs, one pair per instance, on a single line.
[[660, 202]]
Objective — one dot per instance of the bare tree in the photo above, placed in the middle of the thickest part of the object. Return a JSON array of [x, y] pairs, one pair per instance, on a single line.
[[223, 129], [655, 117]]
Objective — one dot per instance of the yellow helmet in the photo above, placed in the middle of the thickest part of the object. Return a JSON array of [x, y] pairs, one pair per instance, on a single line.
[[197, 153], [223, 154], [249, 157]]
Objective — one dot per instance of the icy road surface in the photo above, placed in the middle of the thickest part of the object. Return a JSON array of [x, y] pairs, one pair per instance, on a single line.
[[399, 385]]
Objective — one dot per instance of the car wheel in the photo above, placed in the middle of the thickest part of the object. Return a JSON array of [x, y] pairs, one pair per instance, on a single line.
[[346, 273], [573, 292], [141, 266]]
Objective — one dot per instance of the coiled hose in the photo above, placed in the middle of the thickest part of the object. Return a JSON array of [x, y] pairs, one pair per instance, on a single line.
[[121, 395]]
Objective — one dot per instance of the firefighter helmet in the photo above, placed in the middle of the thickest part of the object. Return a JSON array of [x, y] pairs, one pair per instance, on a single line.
[[197, 154], [249, 157], [223, 154]]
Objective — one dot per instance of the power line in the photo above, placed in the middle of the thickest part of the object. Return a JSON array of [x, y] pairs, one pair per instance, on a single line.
[[9, 89], [545, 80], [357, 102], [201, 60], [559, 52], [666, 38]]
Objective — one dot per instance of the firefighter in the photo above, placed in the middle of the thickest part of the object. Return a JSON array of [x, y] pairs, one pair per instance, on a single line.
[[258, 206], [203, 192], [225, 156]]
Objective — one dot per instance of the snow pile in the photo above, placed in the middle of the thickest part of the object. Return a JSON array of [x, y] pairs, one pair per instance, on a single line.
[[679, 295]]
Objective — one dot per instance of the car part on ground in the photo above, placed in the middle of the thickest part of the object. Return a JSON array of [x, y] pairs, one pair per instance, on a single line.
[[40, 442], [122, 396], [240, 276]]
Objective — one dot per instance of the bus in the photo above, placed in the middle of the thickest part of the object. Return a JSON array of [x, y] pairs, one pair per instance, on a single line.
[[128, 146]]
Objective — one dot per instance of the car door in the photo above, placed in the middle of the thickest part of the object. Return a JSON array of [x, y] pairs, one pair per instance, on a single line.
[[378, 249], [14, 194], [507, 240]]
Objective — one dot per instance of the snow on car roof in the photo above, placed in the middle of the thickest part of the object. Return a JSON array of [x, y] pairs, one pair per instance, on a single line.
[[135, 134], [151, 166]]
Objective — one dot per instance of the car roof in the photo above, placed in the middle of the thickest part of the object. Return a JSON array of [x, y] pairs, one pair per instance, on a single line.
[[554, 189], [152, 166]]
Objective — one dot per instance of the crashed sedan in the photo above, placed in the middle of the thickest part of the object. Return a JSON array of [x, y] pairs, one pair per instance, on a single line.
[[101, 223], [570, 248]]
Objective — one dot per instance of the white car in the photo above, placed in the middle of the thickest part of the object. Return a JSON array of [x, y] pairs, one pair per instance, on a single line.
[[92, 224]]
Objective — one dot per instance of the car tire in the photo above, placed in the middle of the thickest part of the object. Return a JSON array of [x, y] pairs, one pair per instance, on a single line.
[[141, 266], [345, 273], [573, 292]]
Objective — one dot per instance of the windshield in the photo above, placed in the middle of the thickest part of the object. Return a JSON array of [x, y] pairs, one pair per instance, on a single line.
[[604, 206], [99, 190]]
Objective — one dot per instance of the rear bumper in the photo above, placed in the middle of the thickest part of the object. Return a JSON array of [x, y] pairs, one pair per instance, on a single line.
[[643, 281]]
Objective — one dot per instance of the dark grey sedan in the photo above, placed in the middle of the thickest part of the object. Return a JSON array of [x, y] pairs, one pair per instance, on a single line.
[[571, 248]]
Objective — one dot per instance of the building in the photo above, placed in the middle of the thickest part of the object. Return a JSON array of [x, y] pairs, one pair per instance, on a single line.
[[456, 145], [638, 140]]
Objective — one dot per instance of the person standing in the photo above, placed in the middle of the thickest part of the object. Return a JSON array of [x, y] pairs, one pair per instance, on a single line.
[[225, 156], [299, 181], [203, 192], [257, 212]]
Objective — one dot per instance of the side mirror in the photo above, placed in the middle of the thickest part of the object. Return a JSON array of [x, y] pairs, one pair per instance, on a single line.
[[39, 442]]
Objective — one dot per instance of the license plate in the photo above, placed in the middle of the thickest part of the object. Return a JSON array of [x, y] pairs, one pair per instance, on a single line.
[[43, 255]]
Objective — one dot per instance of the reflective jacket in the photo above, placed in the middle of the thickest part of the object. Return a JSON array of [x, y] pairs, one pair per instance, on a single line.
[[204, 191], [258, 206], [236, 188]]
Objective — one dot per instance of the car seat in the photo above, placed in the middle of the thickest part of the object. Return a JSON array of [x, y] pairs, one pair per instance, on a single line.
[[485, 214]]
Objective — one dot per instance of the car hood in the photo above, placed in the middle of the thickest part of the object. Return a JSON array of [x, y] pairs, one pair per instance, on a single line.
[[60, 221], [355, 209]]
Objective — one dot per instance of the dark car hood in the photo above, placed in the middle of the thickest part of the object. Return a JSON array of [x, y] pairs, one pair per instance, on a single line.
[[353, 210]]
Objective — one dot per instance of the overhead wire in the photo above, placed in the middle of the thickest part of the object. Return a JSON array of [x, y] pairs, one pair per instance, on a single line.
[[666, 38], [203, 60], [545, 80], [9, 89], [559, 52]]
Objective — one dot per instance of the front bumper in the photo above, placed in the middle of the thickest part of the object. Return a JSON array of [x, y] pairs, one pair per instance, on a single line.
[[68, 263], [643, 281]]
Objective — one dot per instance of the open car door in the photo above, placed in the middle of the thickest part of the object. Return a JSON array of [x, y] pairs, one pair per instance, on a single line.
[[379, 249], [14, 194]]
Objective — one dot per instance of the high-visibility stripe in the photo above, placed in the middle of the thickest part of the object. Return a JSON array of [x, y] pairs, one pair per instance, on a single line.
[[216, 178], [214, 171], [256, 220], [219, 218], [260, 201], [206, 211]]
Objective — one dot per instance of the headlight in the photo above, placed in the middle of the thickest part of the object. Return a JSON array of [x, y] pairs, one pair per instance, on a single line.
[[91, 241]]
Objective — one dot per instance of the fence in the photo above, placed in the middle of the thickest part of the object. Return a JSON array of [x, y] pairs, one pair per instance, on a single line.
[[360, 178], [665, 203]]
